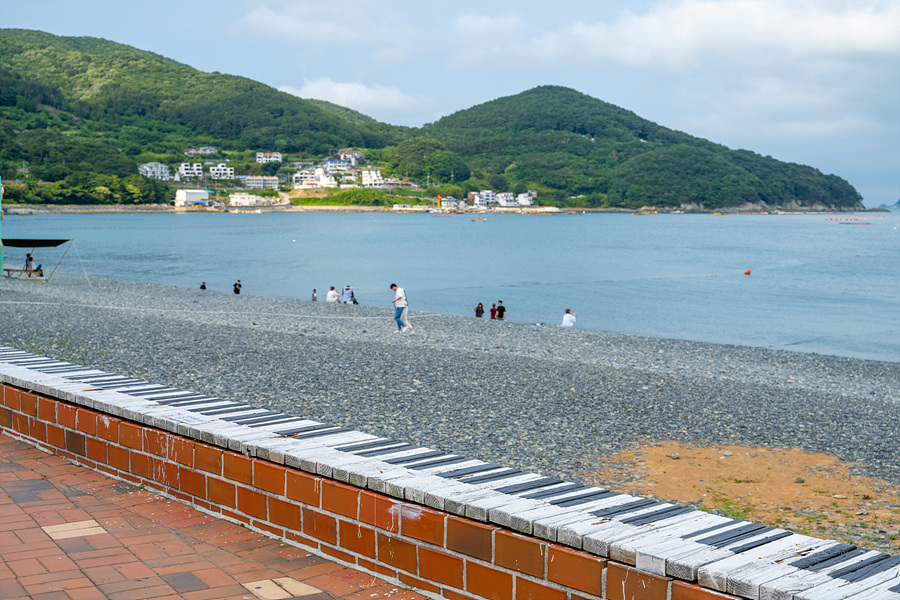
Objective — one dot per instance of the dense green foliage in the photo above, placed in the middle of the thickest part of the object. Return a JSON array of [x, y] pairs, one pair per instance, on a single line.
[[352, 197], [77, 115]]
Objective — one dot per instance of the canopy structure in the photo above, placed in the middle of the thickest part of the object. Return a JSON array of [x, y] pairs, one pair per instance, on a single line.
[[32, 243]]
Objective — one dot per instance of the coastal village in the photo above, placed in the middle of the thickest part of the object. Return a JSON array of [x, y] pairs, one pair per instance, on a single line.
[[341, 170]]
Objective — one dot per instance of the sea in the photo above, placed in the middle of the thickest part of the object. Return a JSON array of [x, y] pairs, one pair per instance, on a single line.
[[828, 284]]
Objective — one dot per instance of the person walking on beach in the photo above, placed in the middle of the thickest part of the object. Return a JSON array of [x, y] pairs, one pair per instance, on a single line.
[[501, 311], [479, 310], [237, 287], [332, 296], [568, 318], [315, 297], [401, 307], [493, 311]]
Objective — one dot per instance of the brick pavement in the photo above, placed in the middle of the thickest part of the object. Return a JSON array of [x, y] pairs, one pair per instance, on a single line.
[[69, 533]]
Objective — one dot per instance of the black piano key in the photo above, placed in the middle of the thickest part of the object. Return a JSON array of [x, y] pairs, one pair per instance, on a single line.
[[822, 556], [583, 498], [237, 407], [628, 507], [320, 433], [827, 564], [243, 419], [439, 462], [116, 385], [469, 470], [563, 489], [529, 485], [492, 476], [875, 569], [286, 421], [760, 542], [58, 370], [663, 513], [157, 390], [304, 429], [366, 445], [391, 450], [850, 572], [896, 588], [720, 540], [414, 457], [35, 362], [189, 400]]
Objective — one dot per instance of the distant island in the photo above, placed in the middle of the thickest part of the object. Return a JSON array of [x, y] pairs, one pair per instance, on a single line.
[[90, 121]]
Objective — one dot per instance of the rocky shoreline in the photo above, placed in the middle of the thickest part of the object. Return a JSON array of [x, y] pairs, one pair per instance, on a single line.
[[540, 398]]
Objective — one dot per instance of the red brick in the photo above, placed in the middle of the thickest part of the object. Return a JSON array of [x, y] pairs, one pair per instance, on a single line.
[[20, 423], [625, 583], [357, 538], [191, 482], [181, 450], [11, 397], [131, 435], [488, 582], [28, 403], [142, 465], [529, 590], [340, 498], [5, 417], [56, 436], [470, 538], [75, 442], [451, 595], [422, 524], [46, 409], [338, 554], [108, 428], [320, 526], [86, 421], [417, 583], [117, 457], [65, 414], [285, 514], [155, 442], [440, 567], [165, 472], [303, 487], [690, 591], [208, 458], [95, 449], [576, 570], [237, 468], [519, 553], [380, 511], [37, 429], [276, 531], [268, 476], [222, 492], [396, 552], [251, 502]]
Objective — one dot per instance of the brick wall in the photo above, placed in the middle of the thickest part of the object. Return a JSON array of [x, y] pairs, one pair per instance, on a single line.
[[433, 551]]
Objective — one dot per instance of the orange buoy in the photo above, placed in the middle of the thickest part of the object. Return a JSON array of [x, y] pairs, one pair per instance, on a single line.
[[747, 272]]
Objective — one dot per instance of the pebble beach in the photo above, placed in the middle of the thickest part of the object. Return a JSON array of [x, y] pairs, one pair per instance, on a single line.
[[535, 397]]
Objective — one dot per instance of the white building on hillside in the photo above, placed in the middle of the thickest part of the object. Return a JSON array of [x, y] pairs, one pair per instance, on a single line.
[[312, 178], [221, 171], [525, 199], [245, 199], [371, 178], [257, 182], [267, 157], [506, 199], [335, 166], [155, 170], [485, 198], [189, 197], [188, 170]]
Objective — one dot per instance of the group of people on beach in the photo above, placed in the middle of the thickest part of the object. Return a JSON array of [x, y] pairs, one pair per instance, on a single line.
[[498, 311], [345, 296]]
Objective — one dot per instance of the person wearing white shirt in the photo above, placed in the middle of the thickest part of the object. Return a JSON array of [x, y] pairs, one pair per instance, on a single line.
[[568, 319], [332, 296], [400, 309]]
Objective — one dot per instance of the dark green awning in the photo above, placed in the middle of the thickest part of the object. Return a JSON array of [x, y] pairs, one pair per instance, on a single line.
[[26, 243]]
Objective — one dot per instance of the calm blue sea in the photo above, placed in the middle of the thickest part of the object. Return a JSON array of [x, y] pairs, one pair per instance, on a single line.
[[816, 284]]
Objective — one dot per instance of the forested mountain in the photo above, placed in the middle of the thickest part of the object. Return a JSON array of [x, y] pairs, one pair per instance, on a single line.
[[607, 156], [75, 113]]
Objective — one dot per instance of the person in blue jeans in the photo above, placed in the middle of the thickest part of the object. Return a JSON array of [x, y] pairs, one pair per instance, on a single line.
[[400, 309]]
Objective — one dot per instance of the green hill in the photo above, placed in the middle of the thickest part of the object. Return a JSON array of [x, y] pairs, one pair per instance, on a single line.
[[76, 114]]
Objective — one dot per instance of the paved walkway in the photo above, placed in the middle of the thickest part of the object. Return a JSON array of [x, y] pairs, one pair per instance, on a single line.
[[69, 533]]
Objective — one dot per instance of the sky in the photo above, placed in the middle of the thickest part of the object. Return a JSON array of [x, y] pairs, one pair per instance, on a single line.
[[815, 82]]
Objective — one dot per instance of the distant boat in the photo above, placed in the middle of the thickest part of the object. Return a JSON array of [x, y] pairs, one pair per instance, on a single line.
[[478, 220]]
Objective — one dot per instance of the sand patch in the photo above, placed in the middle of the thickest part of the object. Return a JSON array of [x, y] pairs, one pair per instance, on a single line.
[[814, 494]]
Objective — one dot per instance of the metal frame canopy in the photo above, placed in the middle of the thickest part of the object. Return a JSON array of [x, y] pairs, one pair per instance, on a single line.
[[32, 243]]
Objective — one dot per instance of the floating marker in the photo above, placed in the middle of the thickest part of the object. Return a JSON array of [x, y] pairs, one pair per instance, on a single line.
[[747, 272]]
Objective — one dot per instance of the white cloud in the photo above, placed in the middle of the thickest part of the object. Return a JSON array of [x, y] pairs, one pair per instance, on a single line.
[[348, 22], [376, 100]]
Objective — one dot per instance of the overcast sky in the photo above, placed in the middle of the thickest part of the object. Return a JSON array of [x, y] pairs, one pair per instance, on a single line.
[[815, 82]]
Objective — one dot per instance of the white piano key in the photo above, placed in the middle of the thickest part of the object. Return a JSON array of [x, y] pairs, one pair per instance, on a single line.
[[714, 575], [625, 549], [651, 556], [840, 588], [549, 528], [506, 514], [790, 586], [745, 581], [889, 590]]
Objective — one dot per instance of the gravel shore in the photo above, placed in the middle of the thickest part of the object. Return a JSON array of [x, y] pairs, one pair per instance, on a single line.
[[540, 398]]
